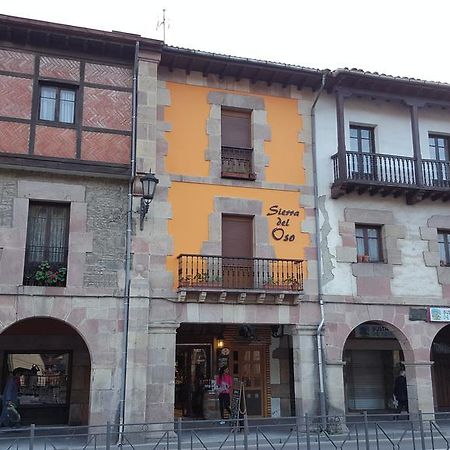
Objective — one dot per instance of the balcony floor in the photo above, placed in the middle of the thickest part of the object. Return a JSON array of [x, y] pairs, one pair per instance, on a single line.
[[412, 193], [239, 296]]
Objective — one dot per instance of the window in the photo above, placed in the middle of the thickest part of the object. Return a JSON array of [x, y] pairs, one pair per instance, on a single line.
[[47, 244], [362, 142], [368, 243], [237, 152], [439, 151], [444, 249], [57, 104]]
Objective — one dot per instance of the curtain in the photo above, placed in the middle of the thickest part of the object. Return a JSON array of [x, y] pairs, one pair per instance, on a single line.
[[47, 103], [67, 106]]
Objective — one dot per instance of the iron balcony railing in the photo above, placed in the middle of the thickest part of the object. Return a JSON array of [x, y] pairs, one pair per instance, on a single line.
[[391, 169], [237, 163], [205, 271]]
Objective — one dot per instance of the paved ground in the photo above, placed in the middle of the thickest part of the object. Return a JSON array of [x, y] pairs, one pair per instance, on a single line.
[[385, 435]]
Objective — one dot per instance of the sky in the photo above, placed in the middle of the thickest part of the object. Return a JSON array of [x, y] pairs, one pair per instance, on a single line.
[[396, 37]]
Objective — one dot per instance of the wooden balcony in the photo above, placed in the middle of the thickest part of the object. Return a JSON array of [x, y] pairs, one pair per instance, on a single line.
[[237, 163], [239, 280], [390, 175]]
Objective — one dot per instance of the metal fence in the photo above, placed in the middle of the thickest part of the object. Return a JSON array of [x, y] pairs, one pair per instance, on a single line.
[[359, 431]]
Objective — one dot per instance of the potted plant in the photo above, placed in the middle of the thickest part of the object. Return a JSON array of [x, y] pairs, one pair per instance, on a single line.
[[45, 275]]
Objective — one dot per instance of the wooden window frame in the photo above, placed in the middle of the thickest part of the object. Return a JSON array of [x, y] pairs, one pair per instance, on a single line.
[[241, 155], [359, 138], [365, 258], [59, 87], [446, 241], [45, 258]]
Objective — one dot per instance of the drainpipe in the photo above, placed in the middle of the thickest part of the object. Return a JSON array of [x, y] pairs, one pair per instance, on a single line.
[[322, 399], [126, 296]]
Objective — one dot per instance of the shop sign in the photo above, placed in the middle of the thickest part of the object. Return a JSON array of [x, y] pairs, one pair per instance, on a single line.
[[372, 330], [438, 314], [281, 230]]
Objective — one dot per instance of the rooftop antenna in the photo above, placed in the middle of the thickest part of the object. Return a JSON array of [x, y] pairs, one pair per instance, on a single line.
[[163, 23]]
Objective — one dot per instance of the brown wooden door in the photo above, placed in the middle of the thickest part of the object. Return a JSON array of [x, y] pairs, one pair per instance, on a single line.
[[249, 366], [237, 251], [441, 369]]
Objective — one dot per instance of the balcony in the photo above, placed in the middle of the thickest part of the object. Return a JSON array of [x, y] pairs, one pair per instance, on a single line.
[[237, 163], [394, 175], [239, 280]]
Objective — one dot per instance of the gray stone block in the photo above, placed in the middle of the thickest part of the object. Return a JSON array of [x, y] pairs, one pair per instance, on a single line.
[[346, 254], [443, 275], [432, 259], [439, 221], [369, 216], [428, 233]]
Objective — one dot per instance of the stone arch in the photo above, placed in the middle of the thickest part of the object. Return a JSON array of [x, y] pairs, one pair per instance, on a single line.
[[373, 354], [63, 363], [398, 334]]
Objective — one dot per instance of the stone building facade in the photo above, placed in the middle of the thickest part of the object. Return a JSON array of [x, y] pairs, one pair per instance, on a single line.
[[225, 269], [65, 158], [383, 193]]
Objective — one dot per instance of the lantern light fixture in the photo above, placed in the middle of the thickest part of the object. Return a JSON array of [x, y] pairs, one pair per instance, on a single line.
[[148, 182]]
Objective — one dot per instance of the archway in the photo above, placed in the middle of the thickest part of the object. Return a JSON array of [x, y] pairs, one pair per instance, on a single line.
[[440, 355], [373, 358], [54, 366]]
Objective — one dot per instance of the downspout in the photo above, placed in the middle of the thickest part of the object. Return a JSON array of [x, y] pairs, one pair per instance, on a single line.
[[127, 290], [322, 399]]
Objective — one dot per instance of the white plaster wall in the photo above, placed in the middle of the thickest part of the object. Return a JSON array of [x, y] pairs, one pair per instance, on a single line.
[[393, 136]]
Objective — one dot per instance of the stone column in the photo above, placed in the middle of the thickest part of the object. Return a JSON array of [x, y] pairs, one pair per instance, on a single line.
[[305, 370], [420, 387], [161, 371], [335, 389]]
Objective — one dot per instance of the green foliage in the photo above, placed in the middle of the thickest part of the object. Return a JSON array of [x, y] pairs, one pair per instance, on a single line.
[[46, 276]]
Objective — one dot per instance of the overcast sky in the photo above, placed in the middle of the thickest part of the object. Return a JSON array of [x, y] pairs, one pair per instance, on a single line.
[[397, 37]]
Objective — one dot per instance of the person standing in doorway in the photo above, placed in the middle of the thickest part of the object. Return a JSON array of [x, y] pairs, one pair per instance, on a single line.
[[224, 381], [401, 391], [10, 401]]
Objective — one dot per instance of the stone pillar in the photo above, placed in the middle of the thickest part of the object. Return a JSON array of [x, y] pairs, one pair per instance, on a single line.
[[420, 387], [335, 389], [161, 371], [305, 370]]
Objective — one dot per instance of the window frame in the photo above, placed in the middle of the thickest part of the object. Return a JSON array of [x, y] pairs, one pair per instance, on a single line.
[[243, 154], [359, 128], [365, 231], [446, 242], [28, 265], [59, 87]]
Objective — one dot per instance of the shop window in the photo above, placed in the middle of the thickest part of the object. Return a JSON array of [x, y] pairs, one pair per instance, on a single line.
[[47, 244], [42, 377], [237, 151], [444, 249], [368, 243], [57, 104]]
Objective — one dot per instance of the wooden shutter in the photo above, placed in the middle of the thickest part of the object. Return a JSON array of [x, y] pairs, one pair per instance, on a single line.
[[236, 128], [237, 236]]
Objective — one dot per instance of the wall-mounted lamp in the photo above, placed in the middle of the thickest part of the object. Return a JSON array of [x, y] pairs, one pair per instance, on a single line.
[[220, 342], [149, 183]]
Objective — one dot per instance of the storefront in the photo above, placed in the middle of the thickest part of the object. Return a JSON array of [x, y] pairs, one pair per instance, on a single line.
[[372, 357], [53, 367], [247, 350], [440, 355]]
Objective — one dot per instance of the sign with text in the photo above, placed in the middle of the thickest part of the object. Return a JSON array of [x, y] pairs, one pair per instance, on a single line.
[[281, 230], [438, 314], [373, 330]]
